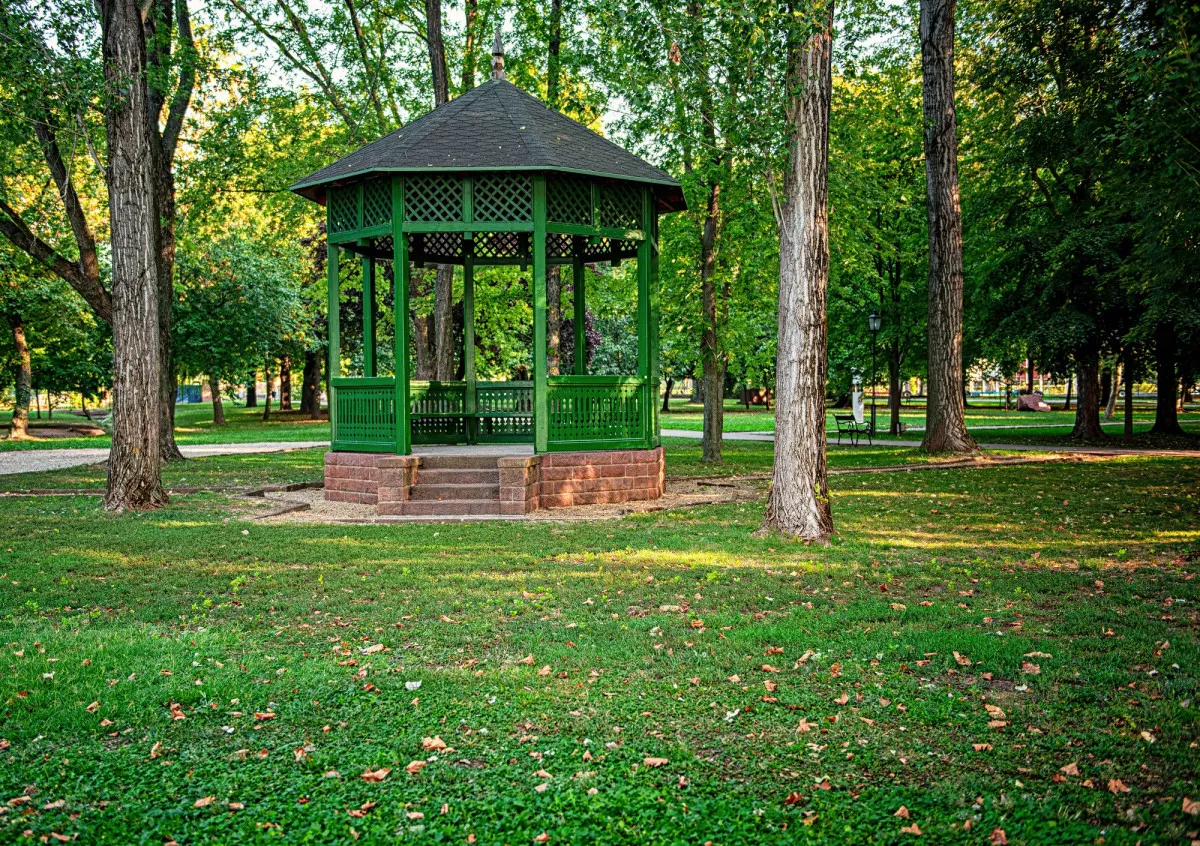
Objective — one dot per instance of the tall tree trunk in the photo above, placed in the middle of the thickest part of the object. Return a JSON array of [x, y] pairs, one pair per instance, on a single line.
[[1166, 416], [285, 383], [443, 285], [553, 319], [1129, 369], [252, 391], [712, 357], [799, 500], [894, 390], [269, 380], [1067, 401], [670, 384], [214, 387], [1087, 408], [470, 40], [1029, 375], [1106, 384], [23, 380], [310, 391], [945, 422], [1110, 406], [423, 347], [135, 458]]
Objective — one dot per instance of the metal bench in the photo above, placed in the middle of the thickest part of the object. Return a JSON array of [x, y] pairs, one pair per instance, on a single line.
[[846, 424]]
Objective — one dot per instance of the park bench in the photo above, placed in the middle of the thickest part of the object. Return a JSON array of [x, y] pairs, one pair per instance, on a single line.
[[846, 424]]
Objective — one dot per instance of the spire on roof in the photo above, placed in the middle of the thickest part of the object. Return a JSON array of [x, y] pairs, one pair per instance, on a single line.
[[498, 57]]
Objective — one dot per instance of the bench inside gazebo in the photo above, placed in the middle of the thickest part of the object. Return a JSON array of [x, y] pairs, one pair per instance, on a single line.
[[493, 177]]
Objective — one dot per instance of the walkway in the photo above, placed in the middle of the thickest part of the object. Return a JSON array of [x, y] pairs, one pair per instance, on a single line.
[[769, 437], [37, 460]]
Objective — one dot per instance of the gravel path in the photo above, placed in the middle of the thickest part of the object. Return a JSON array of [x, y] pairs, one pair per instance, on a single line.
[[37, 460]]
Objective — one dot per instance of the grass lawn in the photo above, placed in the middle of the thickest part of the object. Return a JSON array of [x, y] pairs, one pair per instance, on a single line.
[[667, 678]]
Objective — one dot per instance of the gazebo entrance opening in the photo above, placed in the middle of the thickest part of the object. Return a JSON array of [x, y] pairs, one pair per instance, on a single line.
[[470, 220]]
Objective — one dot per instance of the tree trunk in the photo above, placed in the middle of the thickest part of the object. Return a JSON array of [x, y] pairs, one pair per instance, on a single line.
[[1067, 401], [23, 380], [553, 319], [894, 392], [469, 41], [1087, 408], [135, 458], [442, 342], [310, 391], [285, 383], [1029, 375], [1110, 406], [252, 391], [945, 422], [712, 358], [1129, 401], [1106, 385], [666, 406], [423, 345], [268, 383], [799, 500], [1166, 417], [214, 387]]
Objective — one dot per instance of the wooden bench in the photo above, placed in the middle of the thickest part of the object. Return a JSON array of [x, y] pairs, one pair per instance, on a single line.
[[846, 424]]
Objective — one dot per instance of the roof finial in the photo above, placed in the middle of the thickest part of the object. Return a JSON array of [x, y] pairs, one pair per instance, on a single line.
[[498, 57]]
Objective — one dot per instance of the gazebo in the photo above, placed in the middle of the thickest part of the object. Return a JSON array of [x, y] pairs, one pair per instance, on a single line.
[[494, 177]]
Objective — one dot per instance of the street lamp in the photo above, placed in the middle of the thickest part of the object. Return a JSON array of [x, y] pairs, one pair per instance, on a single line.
[[873, 323]]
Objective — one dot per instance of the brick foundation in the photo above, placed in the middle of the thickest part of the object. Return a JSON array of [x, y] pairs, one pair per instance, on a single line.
[[527, 483]]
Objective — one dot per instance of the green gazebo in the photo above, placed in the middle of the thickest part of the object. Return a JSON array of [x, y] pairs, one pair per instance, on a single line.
[[493, 178]]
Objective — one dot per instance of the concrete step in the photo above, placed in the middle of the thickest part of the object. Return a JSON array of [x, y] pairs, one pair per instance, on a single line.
[[424, 491], [440, 508], [458, 477], [458, 462]]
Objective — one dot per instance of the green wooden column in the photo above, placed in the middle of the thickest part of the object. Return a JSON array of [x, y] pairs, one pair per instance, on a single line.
[[655, 340], [645, 353], [541, 407], [469, 406], [579, 318], [400, 310], [370, 358], [335, 336]]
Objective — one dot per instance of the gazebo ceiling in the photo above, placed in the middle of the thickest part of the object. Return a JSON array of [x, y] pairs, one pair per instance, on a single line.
[[495, 127]]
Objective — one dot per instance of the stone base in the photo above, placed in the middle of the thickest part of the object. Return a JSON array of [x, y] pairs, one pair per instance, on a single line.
[[527, 483]]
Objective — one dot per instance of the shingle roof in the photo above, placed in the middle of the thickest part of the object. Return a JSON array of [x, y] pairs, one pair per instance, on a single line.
[[495, 126]]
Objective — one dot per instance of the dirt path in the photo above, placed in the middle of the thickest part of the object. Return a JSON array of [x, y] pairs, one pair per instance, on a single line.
[[37, 460]]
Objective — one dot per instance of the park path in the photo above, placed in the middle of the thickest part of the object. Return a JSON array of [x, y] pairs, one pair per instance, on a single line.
[[769, 437], [37, 460]]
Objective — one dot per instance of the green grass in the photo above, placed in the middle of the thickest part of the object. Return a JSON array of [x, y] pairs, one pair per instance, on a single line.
[[193, 425], [188, 610]]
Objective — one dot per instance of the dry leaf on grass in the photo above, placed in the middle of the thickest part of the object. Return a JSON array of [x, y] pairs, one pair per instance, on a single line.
[[902, 813], [415, 767], [1071, 769], [910, 829], [1115, 785], [376, 775], [655, 762], [998, 838], [433, 743], [204, 802]]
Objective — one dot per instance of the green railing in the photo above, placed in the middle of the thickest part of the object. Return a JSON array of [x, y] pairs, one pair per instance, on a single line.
[[364, 414], [436, 412], [597, 412], [504, 412]]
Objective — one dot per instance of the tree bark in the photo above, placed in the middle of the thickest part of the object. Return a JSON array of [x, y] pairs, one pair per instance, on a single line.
[[469, 42], [214, 387], [442, 342], [894, 391], [23, 380], [423, 346], [135, 458], [1166, 416], [285, 383], [1129, 368], [269, 382], [799, 500], [666, 404], [553, 319], [945, 422], [310, 402], [1067, 401], [712, 358], [1110, 406], [252, 391], [1087, 407]]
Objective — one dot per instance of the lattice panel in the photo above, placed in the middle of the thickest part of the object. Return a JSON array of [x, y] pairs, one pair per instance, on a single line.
[[496, 245], [364, 414], [343, 209], [377, 203], [437, 198], [591, 412], [441, 244], [503, 197], [559, 246], [569, 201], [620, 206], [599, 249]]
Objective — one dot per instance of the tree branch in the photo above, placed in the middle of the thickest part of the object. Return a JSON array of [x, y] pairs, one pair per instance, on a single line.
[[187, 82]]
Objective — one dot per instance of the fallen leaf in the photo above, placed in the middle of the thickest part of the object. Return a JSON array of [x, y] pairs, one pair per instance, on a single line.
[[415, 767], [528, 659], [804, 726], [264, 715], [655, 762], [793, 798], [995, 712], [433, 743], [415, 815], [372, 649], [204, 802], [1071, 769], [1190, 806], [93, 708], [902, 813], [1115, 785], [962, 660], [379, 774], [843, 699], [154, 750], [236, 806], [999, 838], [910, 829], [982, 747], [542, 838], [1030, 669]]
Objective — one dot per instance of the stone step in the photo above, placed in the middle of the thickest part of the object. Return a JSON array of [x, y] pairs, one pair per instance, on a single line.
[[458, 477], [424, 491], [439, 508], [458, 462]]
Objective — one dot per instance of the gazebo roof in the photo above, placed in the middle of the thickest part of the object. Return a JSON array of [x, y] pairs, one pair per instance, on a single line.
[[495, 126]]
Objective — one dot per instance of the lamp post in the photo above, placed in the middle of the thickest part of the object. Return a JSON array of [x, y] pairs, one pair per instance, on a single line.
[[873, 323]]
